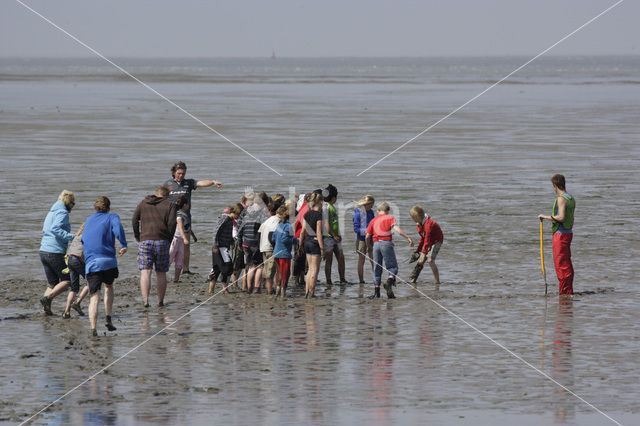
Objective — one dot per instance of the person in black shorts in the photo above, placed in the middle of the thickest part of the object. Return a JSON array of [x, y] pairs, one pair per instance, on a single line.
[[56, 234], [98, 237], [311, 241]]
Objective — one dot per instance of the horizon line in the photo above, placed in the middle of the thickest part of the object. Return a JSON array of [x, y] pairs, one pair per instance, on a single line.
[[505, 55]]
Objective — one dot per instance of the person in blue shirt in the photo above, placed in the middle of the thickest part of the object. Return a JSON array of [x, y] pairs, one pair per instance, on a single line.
[[282, 239], [362, 215], [56, 234], [100, 232]]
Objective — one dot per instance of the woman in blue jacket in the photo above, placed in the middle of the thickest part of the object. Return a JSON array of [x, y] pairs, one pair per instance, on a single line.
[[56, 234]]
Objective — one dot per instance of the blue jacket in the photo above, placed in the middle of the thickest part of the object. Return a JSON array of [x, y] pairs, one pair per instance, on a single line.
[[99, 238], [282, 241], [360, 225], [56, 231]]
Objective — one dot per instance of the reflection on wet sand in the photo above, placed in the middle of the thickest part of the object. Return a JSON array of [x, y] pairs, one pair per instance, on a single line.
[[380, 364], [326, 359], [563, 360]]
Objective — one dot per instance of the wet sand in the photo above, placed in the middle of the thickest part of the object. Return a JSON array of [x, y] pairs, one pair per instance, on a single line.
[[338, 358], [483, 175]]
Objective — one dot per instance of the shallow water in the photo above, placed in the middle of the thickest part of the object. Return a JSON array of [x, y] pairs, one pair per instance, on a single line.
[[483, 174]]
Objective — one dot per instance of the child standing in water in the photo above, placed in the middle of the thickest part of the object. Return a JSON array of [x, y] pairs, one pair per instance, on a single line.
[[282, 239], [380, 230], [311, 240], [75, 262], [221, 253], [363, 215], [431, 239]]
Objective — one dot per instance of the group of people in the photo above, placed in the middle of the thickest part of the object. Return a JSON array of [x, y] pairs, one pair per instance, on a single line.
[[255, 244], [91, 252], [257, 237]]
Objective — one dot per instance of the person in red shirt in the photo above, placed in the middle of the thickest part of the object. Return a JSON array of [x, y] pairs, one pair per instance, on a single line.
[[379, 230], [431, 239]]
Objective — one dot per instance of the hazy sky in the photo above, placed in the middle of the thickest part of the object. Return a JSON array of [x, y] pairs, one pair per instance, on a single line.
[[161, 28]]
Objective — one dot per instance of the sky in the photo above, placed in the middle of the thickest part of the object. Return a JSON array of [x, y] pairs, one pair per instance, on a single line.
[[302, 28]]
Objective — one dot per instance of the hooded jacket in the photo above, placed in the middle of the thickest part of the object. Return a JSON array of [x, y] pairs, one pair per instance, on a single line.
[[56, 230], [154, 219]]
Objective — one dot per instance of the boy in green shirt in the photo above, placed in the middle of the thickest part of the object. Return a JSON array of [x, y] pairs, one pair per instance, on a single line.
[[331, 238]]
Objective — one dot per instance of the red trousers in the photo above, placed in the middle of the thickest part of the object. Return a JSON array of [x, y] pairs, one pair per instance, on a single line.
[[283, 266], [562, 261]]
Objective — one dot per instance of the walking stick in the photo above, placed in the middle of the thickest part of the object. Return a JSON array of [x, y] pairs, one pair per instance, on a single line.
[[544, 274]]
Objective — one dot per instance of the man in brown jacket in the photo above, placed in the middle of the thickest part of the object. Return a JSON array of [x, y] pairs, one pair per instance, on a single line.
[[154, 223]]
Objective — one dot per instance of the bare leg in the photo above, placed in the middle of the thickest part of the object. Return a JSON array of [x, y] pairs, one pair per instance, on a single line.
[[307, 280], [161, 282], [328, 261], [94, 300], [361, 259], [212, 286], [70, 296], [187, 253], [251, 271], [257, 283], [436, 274], [108, 299], [341, 268], [314, 269], [83, 293], [370, 255], [269, 282], [59, 288], [145, 285], [176, 274]]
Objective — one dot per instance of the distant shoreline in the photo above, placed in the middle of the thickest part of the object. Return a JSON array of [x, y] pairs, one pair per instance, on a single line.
[[180, 58]]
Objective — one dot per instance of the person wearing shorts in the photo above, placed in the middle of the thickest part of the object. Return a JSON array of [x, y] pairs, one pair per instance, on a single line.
[[332, 238], [311, 239], [154, 225], [431, 239], [221, 262], [56, 234], [282, 243], [101, 230], [75, 261], [248, 225], [363, 214]]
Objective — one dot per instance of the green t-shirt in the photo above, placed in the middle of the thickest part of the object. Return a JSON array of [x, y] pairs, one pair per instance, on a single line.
[[333, 219]]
